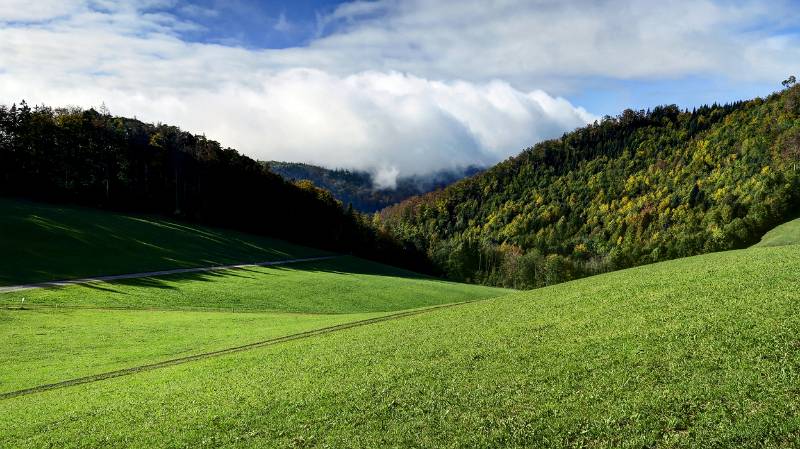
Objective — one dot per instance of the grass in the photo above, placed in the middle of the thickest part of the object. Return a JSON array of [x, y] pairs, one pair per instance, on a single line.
[[42, 242], [342, 285], [785, 234], [89, 329], [59, 334], [698, 352], [81, 330], [43, 346]]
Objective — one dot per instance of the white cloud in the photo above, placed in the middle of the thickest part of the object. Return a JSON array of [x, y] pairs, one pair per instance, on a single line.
[[556, 44], [37, 11], [387, 123], [393, 87], [282, 24], [386, 178]]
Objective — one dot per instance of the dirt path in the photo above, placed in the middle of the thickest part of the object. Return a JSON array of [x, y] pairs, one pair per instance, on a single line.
[[116, 277]]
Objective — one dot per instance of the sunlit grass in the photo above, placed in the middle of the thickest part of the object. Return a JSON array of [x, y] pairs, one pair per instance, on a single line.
[[41, 346], [699, 352], [341, 285]]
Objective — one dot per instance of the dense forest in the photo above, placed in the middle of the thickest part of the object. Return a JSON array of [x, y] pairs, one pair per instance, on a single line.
[[357, 188], [638, 188], [95, 159]]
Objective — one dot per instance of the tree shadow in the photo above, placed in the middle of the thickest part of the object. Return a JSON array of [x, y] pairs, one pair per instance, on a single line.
[[134, 293], [173, 281], [350, 265], [343, 266]]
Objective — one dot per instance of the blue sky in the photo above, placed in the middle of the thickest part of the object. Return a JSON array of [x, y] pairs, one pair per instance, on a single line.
[[253, 24], [279, 25], [391, 86]]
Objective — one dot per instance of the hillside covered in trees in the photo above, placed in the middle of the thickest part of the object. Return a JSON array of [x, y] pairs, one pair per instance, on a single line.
[[634, 189], [357, 188], [638, 188], [91, 158]]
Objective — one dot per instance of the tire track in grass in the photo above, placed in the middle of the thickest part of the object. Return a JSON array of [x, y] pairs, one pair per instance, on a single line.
[[233, 350]]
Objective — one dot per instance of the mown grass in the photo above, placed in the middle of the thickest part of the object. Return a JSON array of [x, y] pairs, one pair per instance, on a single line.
[[341, 285], [64, 333], [42, 242], [43, 346], [785, 234], [699, 352], [57, 334]]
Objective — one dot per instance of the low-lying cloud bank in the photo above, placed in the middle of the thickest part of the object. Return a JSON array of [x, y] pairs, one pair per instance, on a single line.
[[387, 123]]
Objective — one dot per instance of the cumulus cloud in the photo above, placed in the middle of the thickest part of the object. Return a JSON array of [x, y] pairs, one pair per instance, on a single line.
[[556, 44], [26, 11], [437, 87], [387, 123]]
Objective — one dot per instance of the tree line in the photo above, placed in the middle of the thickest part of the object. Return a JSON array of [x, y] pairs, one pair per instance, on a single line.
[[95, 159]]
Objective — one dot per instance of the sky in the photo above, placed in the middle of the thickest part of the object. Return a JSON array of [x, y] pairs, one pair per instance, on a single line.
[[392, 87]]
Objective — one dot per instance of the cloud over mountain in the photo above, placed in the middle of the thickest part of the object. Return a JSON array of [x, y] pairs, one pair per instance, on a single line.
[[436, 86]]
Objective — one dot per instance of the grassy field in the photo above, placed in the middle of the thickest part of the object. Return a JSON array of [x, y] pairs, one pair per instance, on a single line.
[[42, 242], [697, 352], [785, 234], [42, 346], [57, 334], [81, 330], [341, 285]]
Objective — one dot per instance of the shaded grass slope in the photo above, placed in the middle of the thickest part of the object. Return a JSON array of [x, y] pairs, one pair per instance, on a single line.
[[785, 234], [42, 242], [698, 352]]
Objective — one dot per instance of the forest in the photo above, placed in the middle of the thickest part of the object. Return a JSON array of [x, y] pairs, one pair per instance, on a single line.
[[91, 158], [638, 188]]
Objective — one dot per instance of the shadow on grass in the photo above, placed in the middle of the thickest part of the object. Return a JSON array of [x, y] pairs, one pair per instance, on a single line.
[[43, 242], [101, 286], [341, 266], [169, 282]]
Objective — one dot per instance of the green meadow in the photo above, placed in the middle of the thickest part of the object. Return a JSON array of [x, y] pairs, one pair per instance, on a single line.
[[42, 242], [42, 346], [341, 285], [50, 335], [58, 334], [696, 352]]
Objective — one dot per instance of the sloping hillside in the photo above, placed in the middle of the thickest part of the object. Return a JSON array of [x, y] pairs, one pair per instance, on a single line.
[[639, 188], [60, 334], [785, 234], [43, 242], [698, 352], [52, 335]]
